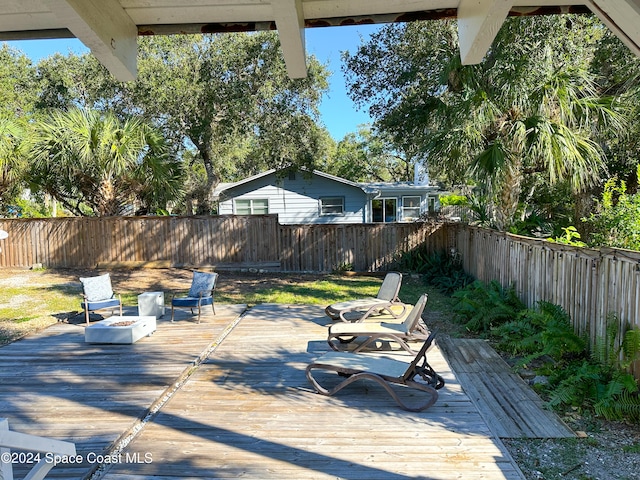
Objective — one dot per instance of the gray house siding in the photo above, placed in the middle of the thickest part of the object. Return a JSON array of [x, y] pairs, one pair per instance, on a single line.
[[402, 192], [297, 199]]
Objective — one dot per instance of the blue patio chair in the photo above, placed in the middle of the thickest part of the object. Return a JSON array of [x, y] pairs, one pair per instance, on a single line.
[[200, 294], [98, 294]]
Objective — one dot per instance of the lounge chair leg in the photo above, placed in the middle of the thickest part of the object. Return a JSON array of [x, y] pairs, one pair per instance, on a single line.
[[172, 312], [86, 314], [428, 389]]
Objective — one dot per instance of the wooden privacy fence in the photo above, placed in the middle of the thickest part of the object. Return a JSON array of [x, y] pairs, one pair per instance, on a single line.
[[169, 241], [589, 284], [223, 242], [363, 247]]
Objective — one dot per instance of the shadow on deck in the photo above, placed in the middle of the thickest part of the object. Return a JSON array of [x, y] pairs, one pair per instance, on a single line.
[[228, 398]]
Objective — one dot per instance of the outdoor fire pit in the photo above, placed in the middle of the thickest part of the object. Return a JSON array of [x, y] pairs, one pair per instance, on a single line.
[[119, 329]]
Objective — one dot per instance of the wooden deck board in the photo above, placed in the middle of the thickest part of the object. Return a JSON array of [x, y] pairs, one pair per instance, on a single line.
[[250, 412], [69, 390], [247, 411], [509, 406]]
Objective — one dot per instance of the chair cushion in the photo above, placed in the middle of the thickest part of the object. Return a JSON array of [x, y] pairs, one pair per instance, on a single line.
[[97, 288], [112, 302], [202, 282], [191, 301]]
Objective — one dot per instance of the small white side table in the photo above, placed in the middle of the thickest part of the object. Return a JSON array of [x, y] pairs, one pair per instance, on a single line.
[[151, 304]]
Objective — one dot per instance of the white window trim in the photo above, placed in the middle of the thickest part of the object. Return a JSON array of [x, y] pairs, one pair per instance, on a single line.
[[332, 214], [404, 209], [383, 199], [250, 200]]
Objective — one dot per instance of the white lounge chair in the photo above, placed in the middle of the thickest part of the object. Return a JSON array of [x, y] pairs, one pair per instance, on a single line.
[[358, 310], [40, 445], [409, 330], [387, 372]]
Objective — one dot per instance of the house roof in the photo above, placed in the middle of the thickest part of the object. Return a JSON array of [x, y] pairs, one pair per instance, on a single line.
[[409, 186], [223, 187], [110, 27], [369, 188]]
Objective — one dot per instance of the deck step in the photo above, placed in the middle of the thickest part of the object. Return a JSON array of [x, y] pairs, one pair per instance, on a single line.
[[509, 406]]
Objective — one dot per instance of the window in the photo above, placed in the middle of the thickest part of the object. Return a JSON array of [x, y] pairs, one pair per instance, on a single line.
[[332, 206], [432, 205], [253, 206], [384, 210], [410, 208]]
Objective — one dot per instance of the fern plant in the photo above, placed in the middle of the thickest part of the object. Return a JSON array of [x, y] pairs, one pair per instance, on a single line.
[[619, 357], [619, 398], [631, 347], [544, 331], [483, 306], [440, 269], [575, 385], [604, 382]]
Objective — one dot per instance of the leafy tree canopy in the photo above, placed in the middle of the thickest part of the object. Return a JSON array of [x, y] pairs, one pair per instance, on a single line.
[[13, 165], [531, 110], [227, 98], [366, 156], [17, 83]]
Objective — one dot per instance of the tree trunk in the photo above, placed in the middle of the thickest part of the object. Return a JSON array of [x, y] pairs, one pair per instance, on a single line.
[[582, 207], [105, 200], [204, 196], [509, 196]]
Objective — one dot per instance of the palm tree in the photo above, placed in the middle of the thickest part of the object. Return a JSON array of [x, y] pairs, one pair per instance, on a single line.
[[96, 164], [12, 161], [528, 115], [525, 117]]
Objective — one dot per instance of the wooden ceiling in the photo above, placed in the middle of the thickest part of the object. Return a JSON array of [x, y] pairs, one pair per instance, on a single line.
[[110, 27]]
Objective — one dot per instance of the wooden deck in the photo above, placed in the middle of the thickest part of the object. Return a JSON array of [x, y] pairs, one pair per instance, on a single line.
[[509, 406], [247, 411]]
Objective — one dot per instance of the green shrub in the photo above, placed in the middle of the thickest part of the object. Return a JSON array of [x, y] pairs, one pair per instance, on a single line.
[[440, 269], [453, 199], [570, 237], [481, 306], [617, 221], [414, 260], [544, 331], [602, 382]]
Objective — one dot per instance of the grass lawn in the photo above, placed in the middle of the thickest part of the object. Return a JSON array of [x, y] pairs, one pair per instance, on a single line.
[[44, 297]]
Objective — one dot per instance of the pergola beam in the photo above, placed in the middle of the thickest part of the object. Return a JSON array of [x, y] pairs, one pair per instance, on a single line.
[[478, 24], [621, 16], [105, 28], [289, 18]]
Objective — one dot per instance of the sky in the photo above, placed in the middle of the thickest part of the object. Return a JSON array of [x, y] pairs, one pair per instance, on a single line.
[[338, 112]]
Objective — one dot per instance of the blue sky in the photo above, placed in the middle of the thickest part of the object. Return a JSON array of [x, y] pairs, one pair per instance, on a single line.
[[339, 114]]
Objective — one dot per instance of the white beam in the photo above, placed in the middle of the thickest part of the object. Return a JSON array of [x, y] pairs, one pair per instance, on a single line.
[[105, 28], [478, 24], [289, 19], [622, 17]]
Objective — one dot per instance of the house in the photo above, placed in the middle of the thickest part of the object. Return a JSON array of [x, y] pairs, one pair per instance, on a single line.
[[317, 197]]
